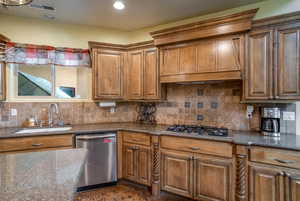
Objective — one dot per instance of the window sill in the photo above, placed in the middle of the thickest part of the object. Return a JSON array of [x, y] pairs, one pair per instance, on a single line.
[[38, 100]]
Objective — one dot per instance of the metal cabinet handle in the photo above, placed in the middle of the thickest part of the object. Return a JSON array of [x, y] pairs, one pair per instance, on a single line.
[[284, 161], [135, 148], [37, 145], [94, 137], [195, 148]]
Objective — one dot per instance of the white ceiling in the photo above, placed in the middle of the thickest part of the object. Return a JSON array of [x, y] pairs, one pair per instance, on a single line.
[[137, 14]]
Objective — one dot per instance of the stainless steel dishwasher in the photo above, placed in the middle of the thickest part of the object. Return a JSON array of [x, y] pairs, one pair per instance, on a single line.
[[101, 163]]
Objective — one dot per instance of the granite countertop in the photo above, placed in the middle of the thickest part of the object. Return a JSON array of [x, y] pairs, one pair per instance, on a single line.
[[286, 141], [37, 176]]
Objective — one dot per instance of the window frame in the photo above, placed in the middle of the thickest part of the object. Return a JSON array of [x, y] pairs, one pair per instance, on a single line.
[[14, 68]]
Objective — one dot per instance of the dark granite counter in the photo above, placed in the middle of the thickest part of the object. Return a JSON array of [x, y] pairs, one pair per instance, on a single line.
[[37, 176], [286, 141]]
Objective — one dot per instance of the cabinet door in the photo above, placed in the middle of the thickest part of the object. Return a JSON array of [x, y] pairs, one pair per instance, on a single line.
[[206, 56], [130, 162], [135, 74], [169, 61], [151, 80], [177, 172], [259, 65], [293, 186], [230, 55], [144, 165], [266, 183], [212, 179], [188, 59], [2, 81], [288, 61], [107, 74]]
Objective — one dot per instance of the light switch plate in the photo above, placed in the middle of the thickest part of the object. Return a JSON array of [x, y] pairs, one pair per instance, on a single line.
[[289, 116], [13, 112]]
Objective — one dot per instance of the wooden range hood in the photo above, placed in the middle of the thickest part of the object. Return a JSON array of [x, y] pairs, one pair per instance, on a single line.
[[209, 50]]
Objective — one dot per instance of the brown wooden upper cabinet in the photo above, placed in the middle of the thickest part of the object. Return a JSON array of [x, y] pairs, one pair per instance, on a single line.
[[142, 75], [272, 63], [3, 41], [107, 74], [259, 65], [230, 53], [135, 74], [288, 62], [220, 58]]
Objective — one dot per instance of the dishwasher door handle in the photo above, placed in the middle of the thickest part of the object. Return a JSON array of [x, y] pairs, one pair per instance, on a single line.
[[94, 137]]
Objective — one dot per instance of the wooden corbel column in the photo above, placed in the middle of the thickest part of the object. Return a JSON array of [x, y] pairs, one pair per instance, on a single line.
[[241, 181], [155, 167]]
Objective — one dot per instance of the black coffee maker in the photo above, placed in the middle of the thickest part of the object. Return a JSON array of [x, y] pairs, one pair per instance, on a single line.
[[270, 122]]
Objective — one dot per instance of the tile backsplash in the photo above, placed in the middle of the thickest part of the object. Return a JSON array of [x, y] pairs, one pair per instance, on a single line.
[[206, 104], [72, 113], [215, 104]]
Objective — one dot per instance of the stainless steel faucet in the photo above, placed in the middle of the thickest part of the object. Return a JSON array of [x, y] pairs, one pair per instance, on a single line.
[[52, 109]]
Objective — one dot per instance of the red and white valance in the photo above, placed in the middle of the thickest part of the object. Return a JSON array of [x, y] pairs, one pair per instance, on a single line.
[[41, 55]]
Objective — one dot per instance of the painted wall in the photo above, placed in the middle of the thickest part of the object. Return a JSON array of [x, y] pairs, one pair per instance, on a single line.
[[27, 30], [267, 8], [41, 32]]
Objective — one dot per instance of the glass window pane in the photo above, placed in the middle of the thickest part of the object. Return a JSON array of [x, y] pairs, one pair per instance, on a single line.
[[72, 82], [34, 80]]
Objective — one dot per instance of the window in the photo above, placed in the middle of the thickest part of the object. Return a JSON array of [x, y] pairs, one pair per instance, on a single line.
[[50, 81]]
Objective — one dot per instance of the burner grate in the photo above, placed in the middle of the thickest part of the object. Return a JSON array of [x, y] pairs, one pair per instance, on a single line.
[[201, 130]]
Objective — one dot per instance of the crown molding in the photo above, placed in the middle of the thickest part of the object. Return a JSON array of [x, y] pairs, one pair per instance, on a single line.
[[235, 23]]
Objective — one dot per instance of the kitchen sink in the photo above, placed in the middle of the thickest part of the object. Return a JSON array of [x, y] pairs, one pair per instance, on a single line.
[[42, 130]]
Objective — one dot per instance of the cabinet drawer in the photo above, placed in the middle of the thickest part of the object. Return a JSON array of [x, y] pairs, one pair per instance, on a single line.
[[38, 142], [136, 138], [197, 146], [275, 157]]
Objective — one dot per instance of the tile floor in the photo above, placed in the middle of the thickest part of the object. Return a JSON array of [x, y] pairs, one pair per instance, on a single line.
[[124, 192]]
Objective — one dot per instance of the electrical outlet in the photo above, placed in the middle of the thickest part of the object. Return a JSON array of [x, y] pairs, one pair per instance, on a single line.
[[249, 112], [288, 116], [13, 112], [112, 110]]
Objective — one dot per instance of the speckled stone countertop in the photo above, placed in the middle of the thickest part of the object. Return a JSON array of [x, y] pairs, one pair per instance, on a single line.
[[286, 141], [40, 176]]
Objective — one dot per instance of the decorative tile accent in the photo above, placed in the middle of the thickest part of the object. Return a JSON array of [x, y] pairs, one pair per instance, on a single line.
[[227, 111], [214, 105], [187, 104], [200, 117], [200, 105]]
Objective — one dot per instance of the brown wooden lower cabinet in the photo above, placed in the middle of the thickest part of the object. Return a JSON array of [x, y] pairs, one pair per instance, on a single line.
[[137, 163], [36, 143], [266, 183], [273, 183], [177, 173], [292, 182], [212, 179], [196, 176]]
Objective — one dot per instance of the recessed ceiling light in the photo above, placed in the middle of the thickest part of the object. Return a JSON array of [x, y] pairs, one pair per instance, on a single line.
[[15, 2], [119, 5]]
